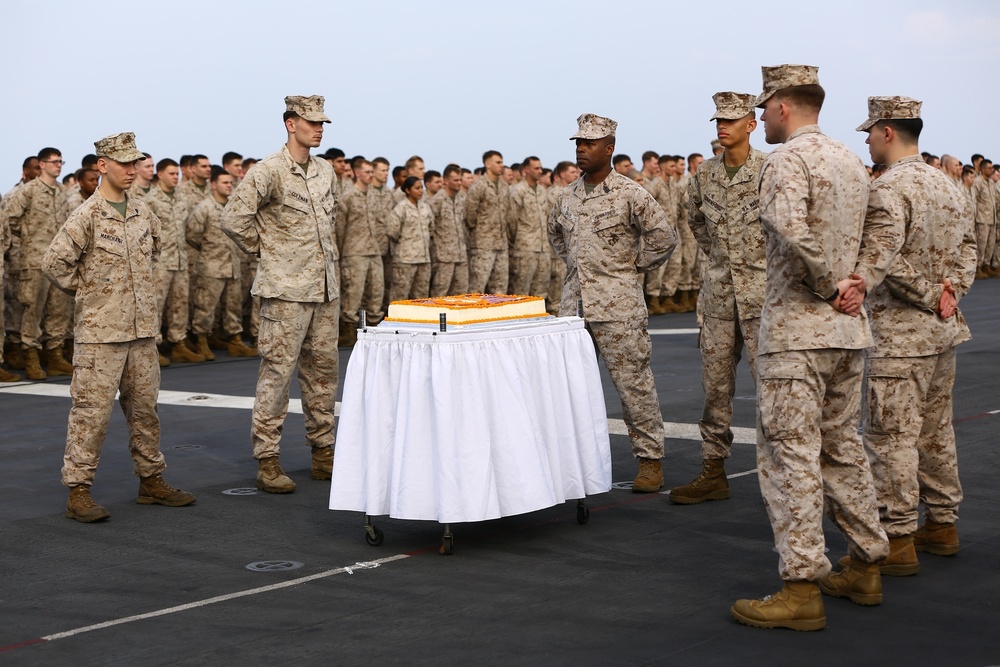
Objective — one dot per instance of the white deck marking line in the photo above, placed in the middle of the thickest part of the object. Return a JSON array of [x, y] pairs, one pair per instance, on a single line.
[[674, 430], [224, 598], [678, 431], [192, 398], [672, 332]]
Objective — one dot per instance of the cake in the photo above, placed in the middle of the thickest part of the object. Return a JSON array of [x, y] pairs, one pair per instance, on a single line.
[[467, 309]]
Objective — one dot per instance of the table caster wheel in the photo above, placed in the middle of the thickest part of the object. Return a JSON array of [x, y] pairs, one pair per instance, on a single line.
[[447, 545], [582, 514], [373, 536]]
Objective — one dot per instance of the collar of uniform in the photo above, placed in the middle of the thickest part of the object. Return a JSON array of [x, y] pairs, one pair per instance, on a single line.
[[747, 172], [805, 129], [108, 211], [607, 185], [294, 166], [903, 160]]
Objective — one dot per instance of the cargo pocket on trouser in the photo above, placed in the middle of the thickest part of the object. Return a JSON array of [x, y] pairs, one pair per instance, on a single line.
[[783, 398], [279, 335], [889, 395]]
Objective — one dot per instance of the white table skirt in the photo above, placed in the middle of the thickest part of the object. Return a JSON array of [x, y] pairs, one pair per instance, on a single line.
[[468, 426]]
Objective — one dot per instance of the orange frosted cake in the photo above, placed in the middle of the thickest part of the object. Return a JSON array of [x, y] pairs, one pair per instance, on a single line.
[[467, 309]]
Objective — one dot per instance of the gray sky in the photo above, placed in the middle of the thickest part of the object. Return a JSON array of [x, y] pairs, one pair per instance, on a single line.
[[451, 80]]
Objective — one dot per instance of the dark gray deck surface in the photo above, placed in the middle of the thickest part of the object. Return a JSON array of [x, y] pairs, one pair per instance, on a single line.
[[643, 583]]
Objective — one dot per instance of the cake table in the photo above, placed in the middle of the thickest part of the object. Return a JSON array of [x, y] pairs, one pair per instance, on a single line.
[[470, 424]]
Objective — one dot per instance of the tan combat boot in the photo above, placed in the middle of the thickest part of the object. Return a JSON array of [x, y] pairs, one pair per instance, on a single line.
[[7, 376], [650, 476], [940, 539], [154, 491], [861, 582], [217, 343], [901, 562], [237, 348], [348, 334], [203, 349], [164, 362], [710, 484], [271, 478], [81, 507], [14, 356], [182, 353], [32, 366], [655, 305], [322, 463], [797, 606], [56, 364]]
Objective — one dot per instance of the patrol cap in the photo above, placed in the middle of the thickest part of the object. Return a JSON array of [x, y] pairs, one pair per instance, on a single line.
[[716, 145], [732, 106], [118, 147], [785, 76], [310, 108], [890, 108], [594, 127]]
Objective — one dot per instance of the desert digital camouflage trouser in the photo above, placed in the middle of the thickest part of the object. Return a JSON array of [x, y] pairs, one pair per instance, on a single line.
[[46, 309], [172, 302], [100, 370], [361, 282], [410, 281], [304, 333], [986, 241], [911, 441], [251, 303], [626, 348], [557, 276], [529, 273], [488, 271], [679, 273], [226, 294], [449, 278], [813, 457], [722, 346]]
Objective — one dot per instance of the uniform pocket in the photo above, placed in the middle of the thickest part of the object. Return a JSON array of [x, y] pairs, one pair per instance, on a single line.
[[889, 393], [782, 395]]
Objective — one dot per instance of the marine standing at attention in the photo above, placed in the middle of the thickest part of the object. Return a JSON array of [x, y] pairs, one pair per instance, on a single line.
[[609, 230], [284, 210], [105, 255], [821, 256], [724, 217]]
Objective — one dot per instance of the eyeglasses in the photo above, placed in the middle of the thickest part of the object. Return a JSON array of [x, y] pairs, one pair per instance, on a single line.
[[59, 162]]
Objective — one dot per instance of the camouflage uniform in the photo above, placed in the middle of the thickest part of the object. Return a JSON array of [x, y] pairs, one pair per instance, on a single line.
[[287, 216], [449, 250], [34, 213], [218, 273], [360, 238], [486, 220], [723, 215], [408, 229], [172, 280], [608, 238], [911, 368], [12, 308], [665, 195], [687, 275], [4, 245], [557, 265], [384, 203], [74, 201], [191, 193], [528, 214], [986, 219], [108, 262], [813, 193]]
